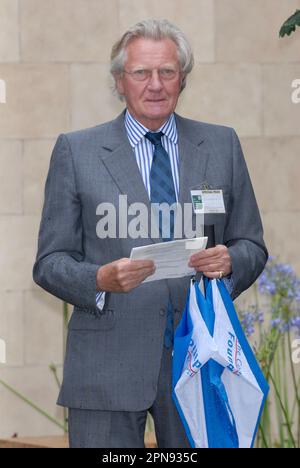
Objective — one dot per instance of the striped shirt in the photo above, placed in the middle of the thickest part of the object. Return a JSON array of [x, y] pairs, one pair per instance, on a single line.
[[144, 149]]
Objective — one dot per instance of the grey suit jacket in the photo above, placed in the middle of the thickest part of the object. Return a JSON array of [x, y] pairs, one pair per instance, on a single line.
[[113, 356]]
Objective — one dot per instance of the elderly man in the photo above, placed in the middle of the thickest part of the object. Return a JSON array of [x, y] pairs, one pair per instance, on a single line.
[[119, 351]]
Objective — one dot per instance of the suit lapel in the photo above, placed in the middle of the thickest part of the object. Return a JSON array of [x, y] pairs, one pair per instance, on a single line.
[[121, 164], [193, 158]]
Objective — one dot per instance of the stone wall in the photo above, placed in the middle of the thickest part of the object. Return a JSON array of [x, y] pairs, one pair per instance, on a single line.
[[54, 58]]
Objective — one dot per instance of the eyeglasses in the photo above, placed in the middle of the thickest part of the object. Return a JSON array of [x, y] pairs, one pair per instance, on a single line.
[[142, 74]]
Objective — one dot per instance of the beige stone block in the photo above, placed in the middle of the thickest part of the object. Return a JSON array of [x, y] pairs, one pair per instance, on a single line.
[[43, 328], [37, 101], [11, 177], [18, 238], [11, 326], [248, 31], [36, 159], [247, 299], [194, 17], [68, 30], [9, 31], [281, 115], [282, 233], [37, 384], [225, 94], [92, 99], [274, 167]]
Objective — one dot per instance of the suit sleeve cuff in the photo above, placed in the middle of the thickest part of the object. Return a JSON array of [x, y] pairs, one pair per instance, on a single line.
[[229, 284]]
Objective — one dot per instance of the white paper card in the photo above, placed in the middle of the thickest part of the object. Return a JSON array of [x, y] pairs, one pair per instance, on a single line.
[[170, 258]]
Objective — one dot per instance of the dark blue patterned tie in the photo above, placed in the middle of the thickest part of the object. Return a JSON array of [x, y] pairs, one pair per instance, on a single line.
[[163, 191]]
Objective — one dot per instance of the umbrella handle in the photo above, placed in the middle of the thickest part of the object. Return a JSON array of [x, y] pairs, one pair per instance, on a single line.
[[209, 232]]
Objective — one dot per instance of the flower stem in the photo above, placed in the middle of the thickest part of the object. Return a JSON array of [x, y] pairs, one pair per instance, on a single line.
[[295, 385], [288, 425], [33, 405]]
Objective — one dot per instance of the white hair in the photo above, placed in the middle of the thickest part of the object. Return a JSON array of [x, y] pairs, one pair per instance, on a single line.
[[156, 30]]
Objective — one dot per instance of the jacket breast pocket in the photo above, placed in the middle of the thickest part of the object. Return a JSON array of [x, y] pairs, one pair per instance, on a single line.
[[218, 220], [87, 320]]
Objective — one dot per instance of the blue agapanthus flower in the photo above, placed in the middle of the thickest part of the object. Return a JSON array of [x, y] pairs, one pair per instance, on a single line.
[[279, 278], [276, 323], [249, 319], [295, 324], [280, 282]]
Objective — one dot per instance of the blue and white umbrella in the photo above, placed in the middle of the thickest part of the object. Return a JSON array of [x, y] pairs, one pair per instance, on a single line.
[[218, 387]]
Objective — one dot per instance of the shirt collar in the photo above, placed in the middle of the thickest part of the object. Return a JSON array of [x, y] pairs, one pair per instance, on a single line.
[[136, 131]]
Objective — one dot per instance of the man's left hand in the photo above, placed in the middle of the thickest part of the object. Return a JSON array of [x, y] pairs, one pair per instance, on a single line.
[[213, 263]]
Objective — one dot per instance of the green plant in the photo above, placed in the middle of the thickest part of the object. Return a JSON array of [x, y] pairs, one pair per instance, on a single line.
[[34, 406], [271, 333], [289, 26], [61, 424]]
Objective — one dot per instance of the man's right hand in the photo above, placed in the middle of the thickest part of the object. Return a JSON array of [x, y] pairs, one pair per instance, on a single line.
[[123, 275]]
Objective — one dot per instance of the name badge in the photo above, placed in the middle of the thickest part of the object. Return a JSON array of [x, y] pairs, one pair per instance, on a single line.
[[208, 201]]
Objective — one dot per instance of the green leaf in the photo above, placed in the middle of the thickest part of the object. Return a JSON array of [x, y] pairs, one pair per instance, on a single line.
[[290, 25]]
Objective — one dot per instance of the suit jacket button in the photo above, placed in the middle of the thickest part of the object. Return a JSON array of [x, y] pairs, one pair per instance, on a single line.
[[162, 312]]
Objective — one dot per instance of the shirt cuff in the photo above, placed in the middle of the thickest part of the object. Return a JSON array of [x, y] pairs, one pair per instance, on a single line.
[[228, 281], [100, 300], [100, 296]]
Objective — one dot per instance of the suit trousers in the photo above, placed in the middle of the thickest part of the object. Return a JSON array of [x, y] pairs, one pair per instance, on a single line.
[[123, 429]]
